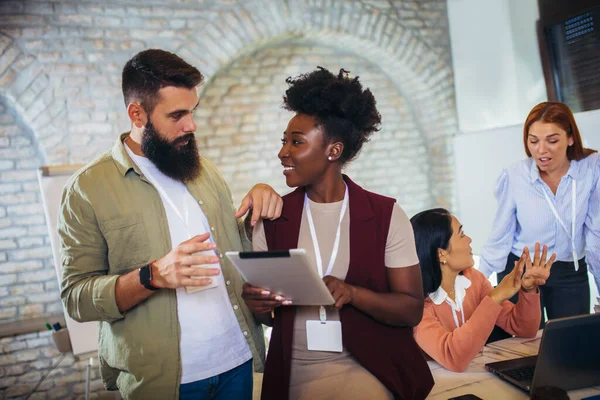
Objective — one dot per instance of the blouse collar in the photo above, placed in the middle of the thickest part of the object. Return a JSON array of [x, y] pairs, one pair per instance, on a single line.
[[461, 283], [534, 172]]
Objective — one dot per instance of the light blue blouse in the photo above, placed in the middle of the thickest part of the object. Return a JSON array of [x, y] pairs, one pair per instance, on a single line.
[[525, 217]]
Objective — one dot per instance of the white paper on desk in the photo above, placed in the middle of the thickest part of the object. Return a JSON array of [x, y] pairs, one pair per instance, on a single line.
[[214, 284]]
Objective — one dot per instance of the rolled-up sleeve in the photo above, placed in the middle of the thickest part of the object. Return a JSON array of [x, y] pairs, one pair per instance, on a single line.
[[500, 242], [87, 292], [592, 229]]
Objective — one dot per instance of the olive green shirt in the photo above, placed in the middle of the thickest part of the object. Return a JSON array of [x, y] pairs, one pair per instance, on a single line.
[[112, 221]]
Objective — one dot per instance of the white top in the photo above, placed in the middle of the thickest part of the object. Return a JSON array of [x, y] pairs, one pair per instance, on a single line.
[[211, 340]]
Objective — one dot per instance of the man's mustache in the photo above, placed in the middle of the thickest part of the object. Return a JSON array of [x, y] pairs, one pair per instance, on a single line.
[[186, 138]]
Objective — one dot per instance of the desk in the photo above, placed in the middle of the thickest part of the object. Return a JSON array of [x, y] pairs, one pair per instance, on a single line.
[[520, 346], [478, 381]]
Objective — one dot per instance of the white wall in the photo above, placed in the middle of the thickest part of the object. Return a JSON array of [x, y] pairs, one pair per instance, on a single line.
[[497, 68]]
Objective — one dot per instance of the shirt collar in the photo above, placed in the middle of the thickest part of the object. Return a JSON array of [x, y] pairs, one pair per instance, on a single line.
[[121, 159], [573, 171], [460, 290], [534, 172]]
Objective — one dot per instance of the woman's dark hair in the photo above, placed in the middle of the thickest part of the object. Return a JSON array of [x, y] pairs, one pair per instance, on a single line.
[[433, 230], [150, 70], [342, 108]]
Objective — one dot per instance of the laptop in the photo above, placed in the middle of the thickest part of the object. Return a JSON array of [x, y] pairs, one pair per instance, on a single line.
[[569, 357]]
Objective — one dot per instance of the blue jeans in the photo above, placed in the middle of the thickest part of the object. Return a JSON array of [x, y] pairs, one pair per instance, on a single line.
[[234, 384]]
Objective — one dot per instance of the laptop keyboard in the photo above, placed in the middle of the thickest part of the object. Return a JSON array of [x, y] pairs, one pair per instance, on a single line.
[[522, 374]]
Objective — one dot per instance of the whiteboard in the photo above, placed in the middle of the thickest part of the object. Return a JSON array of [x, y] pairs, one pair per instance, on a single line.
[[52, 180], [480, 157]]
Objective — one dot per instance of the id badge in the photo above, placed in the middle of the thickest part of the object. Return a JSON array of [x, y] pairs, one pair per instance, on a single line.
[[324, 336]]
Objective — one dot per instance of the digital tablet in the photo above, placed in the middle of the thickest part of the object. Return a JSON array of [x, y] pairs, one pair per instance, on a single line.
[[284, 272]]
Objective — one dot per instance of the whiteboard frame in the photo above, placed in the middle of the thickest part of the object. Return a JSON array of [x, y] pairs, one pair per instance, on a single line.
[[84, 336]]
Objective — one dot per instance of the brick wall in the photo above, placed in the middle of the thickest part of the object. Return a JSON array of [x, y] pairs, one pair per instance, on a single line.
[[25, 358], [28, 284], [60, 102]]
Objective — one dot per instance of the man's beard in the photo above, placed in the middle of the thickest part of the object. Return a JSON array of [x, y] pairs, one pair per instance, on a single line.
[[181, 164]]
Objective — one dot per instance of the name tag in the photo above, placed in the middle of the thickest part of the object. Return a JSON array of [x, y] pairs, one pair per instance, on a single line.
[[324, 336]]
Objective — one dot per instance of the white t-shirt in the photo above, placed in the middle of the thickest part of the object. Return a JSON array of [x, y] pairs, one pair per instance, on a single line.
[[211, 339]]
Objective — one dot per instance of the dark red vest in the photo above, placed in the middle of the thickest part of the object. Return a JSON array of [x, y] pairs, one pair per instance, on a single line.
[[389, 353]]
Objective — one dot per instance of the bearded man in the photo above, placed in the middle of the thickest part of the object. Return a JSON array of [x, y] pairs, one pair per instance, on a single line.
[[143, 231]]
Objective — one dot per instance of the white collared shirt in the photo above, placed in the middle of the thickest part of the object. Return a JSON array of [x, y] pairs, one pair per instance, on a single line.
[[461, 284]]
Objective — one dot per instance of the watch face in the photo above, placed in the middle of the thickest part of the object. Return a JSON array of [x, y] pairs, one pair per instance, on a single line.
[[145, 275]]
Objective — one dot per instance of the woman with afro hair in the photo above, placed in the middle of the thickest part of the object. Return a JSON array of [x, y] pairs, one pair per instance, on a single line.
[[362, 245]]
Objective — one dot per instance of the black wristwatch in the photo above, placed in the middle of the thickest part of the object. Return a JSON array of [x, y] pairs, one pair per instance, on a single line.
[[146, 277]]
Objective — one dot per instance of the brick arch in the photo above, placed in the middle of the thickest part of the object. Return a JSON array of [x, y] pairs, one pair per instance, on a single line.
[[260, 23], [416, 69], [27, 86], [210, 40], [240, 120]]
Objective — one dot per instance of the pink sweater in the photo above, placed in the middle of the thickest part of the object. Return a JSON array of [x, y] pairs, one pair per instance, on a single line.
[[453, 347]]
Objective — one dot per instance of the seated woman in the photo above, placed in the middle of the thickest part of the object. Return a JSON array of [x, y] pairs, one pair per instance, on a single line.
[[361, 242], [462, 308]]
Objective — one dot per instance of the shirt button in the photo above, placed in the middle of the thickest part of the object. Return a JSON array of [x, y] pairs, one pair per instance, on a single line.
[[235, 307], [200, 202], [212, 228], [220, 255], [228, 283], [245, 333]]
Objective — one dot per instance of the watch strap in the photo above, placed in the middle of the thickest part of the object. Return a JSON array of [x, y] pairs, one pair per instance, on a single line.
[[146, 277]]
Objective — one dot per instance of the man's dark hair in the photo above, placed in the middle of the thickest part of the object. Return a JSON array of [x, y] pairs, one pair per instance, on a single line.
[[432, 230], [150, 70], [341, 107]]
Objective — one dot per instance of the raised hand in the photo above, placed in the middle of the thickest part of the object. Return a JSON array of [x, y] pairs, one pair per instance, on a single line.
[[180, 266], [538, 272], [510, 285]]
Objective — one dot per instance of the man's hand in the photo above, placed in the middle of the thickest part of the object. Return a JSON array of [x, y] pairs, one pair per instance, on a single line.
[[342, 292], [180, 266], [264, 202]]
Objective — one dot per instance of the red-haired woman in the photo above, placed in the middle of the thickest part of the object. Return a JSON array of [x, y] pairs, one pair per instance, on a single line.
[[552, 197]]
